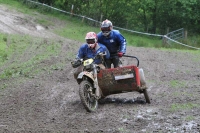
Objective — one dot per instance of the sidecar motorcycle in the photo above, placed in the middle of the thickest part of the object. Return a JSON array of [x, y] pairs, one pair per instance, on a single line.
[[96, 83]]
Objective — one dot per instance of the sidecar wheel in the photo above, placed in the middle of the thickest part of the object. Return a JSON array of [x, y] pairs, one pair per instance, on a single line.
[[142, 78], [89, 101], [146, 96]]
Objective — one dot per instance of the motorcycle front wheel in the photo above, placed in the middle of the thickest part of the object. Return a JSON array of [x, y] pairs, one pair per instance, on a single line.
[[86, 93]]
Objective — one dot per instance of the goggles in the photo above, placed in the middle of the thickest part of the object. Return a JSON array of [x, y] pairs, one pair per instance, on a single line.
[[106, 32], [105, 29], [90, 41]]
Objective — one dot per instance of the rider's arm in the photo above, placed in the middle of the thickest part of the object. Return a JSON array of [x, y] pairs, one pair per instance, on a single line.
[[107, 56], [81, 52], [103, 50], [122, 42]]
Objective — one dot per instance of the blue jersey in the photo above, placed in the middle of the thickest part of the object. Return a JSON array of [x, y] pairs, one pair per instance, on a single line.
[[115, 42], [85, 52]]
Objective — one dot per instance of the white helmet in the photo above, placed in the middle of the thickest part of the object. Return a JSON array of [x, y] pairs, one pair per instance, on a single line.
[[91, 38], [106, 27]]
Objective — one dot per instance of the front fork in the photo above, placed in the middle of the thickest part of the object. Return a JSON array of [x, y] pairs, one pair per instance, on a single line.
[[97, 92]]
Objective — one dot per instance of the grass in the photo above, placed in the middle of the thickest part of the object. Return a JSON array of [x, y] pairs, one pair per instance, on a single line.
[[32, 50], [77, 33], [189, 118], [184, 106], [44, 22], [3, 86], [177, 84], [177, 94], [3, 53]]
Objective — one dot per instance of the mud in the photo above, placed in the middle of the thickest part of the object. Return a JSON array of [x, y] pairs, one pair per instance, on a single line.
[[50, 102]]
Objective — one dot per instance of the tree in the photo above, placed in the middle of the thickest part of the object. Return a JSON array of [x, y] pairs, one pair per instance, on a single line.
[[155, 16]]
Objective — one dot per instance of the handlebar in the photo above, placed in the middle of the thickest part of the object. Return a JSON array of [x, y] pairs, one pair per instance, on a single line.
[[132, 57]]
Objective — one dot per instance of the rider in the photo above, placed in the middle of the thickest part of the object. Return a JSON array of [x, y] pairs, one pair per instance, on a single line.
[[114, 41], [89, 50]]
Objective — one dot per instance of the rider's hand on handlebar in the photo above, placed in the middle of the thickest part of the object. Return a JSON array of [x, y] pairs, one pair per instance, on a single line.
[[76, 63], [120, 54], [102, 53]]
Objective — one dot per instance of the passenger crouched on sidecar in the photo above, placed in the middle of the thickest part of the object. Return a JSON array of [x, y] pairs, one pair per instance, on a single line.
[[89, 50]]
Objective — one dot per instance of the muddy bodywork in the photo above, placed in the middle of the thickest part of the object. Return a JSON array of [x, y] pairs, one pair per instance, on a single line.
[[118, 80], [87, 74]]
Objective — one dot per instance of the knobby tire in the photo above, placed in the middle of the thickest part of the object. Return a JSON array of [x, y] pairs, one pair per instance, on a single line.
[[89, 105]]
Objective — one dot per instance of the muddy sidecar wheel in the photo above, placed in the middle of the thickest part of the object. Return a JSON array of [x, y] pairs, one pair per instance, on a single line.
[[146, 96], [142, 78], [89, 101]]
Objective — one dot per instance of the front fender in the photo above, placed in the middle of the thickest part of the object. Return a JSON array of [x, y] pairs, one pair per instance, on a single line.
[[80, 76], [87, 74]]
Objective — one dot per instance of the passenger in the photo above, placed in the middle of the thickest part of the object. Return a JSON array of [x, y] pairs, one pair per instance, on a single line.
[[114, 41], [89, 50]]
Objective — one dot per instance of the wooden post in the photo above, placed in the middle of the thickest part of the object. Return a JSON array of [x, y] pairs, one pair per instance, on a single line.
[[185, 34], [83, 19], [101, 18], [51, 9], [72, 10], [164, 40]]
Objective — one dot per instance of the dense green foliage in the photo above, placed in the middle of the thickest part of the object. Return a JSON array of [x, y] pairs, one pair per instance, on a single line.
[[154, 16]]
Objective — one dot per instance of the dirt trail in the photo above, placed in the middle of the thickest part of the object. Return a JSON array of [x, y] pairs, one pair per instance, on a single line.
[[50, 102]]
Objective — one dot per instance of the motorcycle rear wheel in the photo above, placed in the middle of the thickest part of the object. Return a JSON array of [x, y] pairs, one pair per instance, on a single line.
[[89, 102]]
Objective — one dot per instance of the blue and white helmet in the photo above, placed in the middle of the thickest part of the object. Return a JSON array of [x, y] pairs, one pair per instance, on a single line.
[[106, 27]]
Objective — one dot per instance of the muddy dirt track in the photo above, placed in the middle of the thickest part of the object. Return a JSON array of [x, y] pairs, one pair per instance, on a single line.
[[50, 102]]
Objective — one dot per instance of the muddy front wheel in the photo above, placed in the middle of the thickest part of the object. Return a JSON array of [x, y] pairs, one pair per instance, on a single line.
[[86, 93], [146, 96]]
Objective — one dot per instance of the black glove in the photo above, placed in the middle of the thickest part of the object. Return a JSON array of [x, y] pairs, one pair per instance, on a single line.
[[76, 63]]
